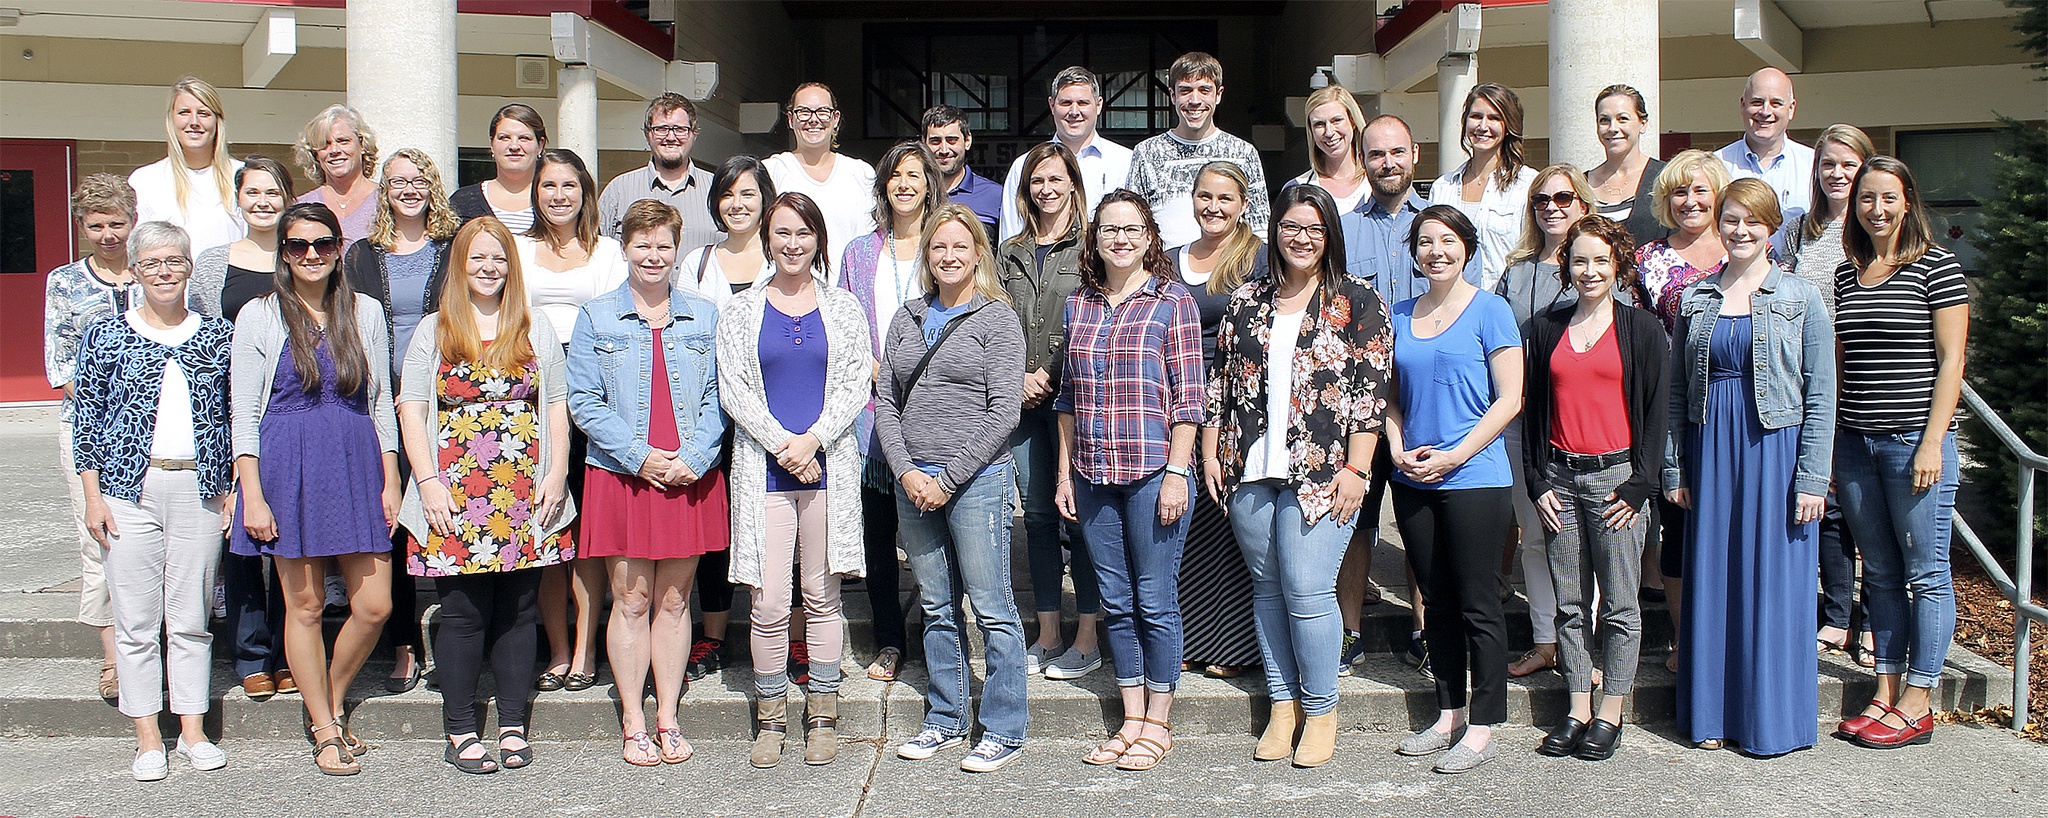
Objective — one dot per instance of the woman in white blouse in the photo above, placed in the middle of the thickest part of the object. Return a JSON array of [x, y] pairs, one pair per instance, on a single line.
[[1492, 187], [192, 187], [843, 187], [740, 192], [1336, 147], [567, 261]]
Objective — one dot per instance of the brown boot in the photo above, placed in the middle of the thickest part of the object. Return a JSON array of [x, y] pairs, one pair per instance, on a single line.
[[1278, 740], [821, 728], [1318, 740], [770, 715]]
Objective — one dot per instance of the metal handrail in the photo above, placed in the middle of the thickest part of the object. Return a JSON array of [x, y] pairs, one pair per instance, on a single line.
[[2018, 587]]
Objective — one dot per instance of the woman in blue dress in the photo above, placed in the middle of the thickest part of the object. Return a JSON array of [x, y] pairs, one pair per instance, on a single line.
[[1751, 424]]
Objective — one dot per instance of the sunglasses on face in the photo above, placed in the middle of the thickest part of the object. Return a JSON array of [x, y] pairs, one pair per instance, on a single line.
[[1560, 200], [323, 247]]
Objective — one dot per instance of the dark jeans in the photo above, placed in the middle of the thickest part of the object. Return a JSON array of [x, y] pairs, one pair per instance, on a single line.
[[1453, 538], [1840, 606], [498, 613], [255, 614], [878, 511]]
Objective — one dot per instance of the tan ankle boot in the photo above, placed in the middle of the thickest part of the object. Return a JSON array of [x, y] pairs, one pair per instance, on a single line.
[[1318, 740], [821, 728], [1278, 740], [770, 715]]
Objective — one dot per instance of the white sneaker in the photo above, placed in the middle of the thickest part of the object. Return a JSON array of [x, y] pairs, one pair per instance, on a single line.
[[151, 765], [205, 755]]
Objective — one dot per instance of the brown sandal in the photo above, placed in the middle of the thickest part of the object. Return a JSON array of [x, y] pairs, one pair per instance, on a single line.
[[110, 681], [1156, 750], [344, 761], [1095, 758]]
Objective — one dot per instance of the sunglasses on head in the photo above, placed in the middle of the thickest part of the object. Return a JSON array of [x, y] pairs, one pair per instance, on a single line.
[[324, 246], [1560, 200]]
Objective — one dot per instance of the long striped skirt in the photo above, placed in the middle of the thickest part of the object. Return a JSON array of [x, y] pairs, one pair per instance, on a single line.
[[1215, 592]]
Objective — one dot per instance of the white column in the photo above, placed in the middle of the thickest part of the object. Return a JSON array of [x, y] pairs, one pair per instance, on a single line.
[[1456, 75], [576, 113], [401, 74], [1594, 44]]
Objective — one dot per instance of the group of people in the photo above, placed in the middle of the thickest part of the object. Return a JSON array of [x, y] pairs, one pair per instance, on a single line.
[[540, 395]]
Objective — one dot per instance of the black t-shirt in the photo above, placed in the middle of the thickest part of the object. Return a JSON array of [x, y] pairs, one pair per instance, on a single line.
[[242, 286]]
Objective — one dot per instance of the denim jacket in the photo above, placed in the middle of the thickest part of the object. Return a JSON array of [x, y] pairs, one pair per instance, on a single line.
[[611, 373], [1793, 350]]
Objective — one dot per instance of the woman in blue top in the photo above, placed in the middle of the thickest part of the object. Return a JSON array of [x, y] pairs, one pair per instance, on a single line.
[[1457, 383]]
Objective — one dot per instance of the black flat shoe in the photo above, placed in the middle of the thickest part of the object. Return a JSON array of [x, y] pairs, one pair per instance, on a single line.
[[405, 684], [482, 765], [1563, 740], [1600, 741]]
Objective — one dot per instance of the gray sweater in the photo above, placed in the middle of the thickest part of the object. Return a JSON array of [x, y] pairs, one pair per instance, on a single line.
[[259, 342], [963, 408]]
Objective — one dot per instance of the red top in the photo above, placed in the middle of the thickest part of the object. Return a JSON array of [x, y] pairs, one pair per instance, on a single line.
[[1591, 414], [661, 412]]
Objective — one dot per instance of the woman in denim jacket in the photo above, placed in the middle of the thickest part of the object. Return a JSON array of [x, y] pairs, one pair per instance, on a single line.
[[653, 494], [1751, 431]]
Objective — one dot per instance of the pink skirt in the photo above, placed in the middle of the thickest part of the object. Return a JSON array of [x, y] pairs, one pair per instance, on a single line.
[[623, 516]]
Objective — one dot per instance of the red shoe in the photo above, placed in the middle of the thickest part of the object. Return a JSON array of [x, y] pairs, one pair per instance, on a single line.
[[800, 663], [1882, 736], [1855, 725]]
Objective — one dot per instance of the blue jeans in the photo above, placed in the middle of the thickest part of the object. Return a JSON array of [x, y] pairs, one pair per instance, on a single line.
[[1137, 565], [1904, 538], [1294, 591], [1033, 446], [963, 551]]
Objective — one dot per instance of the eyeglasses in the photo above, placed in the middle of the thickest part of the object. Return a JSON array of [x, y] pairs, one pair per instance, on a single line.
[[403, 182], [812, 114], [1133, 232], [172, 264], [1560, 200], [1290, 230], [324, 246], [671, 131]]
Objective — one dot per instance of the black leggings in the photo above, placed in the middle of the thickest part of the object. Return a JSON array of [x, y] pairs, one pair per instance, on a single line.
[[884, 577], [402, 629], [1453, 538], [714, 589], [495, 612]]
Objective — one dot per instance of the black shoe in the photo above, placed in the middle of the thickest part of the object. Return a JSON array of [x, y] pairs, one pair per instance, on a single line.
[[1600, 741], [1650, 596], [704, 658], [1563, 740]]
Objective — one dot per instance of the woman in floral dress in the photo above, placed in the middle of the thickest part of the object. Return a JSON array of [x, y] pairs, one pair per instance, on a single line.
[[490, 498]]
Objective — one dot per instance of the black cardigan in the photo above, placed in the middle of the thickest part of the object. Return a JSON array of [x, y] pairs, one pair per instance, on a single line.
[[363, 267], [469, 202], [1642, 224], [1644, 380]]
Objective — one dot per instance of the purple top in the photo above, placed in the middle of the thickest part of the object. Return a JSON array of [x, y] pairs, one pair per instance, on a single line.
[[356, 225], [793, 356]]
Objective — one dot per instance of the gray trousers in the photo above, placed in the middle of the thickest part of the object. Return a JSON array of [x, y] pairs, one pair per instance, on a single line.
[[1588, 561], [160, 580]]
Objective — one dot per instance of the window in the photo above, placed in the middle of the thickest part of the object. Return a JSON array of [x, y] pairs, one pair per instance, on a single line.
[[1955, 169]]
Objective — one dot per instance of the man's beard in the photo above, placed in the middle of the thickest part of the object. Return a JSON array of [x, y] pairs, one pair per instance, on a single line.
[[671, 164], [1380, 184]]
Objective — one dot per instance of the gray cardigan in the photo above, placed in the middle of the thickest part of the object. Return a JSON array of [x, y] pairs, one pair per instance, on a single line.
[[963, 408], [417, 379], [209, 277], [259, 341]]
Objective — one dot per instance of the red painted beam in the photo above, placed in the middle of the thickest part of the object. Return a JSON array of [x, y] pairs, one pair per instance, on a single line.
[[1410, 18]]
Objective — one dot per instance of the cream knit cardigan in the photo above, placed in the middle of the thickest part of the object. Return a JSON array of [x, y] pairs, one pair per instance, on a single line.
[[848, 385]]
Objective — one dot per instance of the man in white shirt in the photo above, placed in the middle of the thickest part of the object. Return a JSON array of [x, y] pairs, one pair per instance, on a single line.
[[1163, 168], [1076, 104], [1764, 151]]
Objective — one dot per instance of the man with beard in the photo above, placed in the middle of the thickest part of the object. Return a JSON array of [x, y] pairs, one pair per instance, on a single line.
[[1076, 105], [669, 177], [947, 137], [1163, 168]]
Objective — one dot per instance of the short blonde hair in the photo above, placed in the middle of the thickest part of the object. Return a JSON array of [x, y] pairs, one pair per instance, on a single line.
[[985, 282], [1678, 173], [313, 138], [1754, 195]]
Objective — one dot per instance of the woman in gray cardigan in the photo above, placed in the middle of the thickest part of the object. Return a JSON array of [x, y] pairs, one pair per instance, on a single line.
[[951, 387], [317, 462]]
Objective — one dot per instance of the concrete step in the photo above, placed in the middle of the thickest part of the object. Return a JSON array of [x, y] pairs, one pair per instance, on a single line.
[[55, 697]]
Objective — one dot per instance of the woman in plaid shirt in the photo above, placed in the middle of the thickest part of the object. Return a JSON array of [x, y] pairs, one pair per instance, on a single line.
[[1128, 409]]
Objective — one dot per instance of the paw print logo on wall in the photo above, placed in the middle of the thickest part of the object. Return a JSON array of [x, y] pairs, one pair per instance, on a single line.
[[1955, 232]]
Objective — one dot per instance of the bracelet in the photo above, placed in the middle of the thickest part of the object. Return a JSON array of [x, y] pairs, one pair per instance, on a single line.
[[1176, 470], [1362, 475]]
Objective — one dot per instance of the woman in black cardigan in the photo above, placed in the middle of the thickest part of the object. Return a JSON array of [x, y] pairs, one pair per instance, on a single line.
[[1592, 453]]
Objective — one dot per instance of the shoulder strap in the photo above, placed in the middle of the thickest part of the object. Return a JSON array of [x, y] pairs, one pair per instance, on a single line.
[[703, 260], [918, 372]]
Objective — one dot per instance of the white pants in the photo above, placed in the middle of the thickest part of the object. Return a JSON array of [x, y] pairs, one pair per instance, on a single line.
[[1535, 555], [92, 584], [160, 580]]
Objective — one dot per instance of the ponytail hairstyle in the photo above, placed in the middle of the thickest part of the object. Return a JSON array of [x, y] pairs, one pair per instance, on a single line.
[[1241, 247], [456, 326], [985, 283], [338, 301]]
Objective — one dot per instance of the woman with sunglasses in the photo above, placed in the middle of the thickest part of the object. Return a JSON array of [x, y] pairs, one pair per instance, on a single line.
[[401, 264], [842, 186], [1558, 198], [517, 138], [566, 261], [316, 452]]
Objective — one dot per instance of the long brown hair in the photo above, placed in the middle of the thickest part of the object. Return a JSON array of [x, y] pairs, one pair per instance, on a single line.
[[1815, 222], [460, 340], [1156, 262], [1504, 101], [351, 365], [1916, 233], [1076, 201], [586, 210]]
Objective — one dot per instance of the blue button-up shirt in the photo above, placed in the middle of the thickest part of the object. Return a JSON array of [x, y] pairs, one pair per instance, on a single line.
[[980, 195], [1376, 248], [1790, 174]]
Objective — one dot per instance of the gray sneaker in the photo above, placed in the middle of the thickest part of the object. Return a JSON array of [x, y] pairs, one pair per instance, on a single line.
[[1427, 742], [1462, 758], [1037, 658], [1073, 664]]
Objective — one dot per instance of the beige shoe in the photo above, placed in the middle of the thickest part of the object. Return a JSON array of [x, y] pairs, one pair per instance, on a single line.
[[821, 728], [770, 715], [1318, 740], [1278, 740]]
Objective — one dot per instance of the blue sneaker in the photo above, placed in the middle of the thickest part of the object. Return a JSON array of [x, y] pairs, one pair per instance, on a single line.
[[928, 743], [989, 756], [1347, 658]]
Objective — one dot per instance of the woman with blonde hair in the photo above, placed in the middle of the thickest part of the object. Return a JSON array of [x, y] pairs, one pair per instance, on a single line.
[[484, 405], [1336, 147], [193, 186], [338, 151]]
